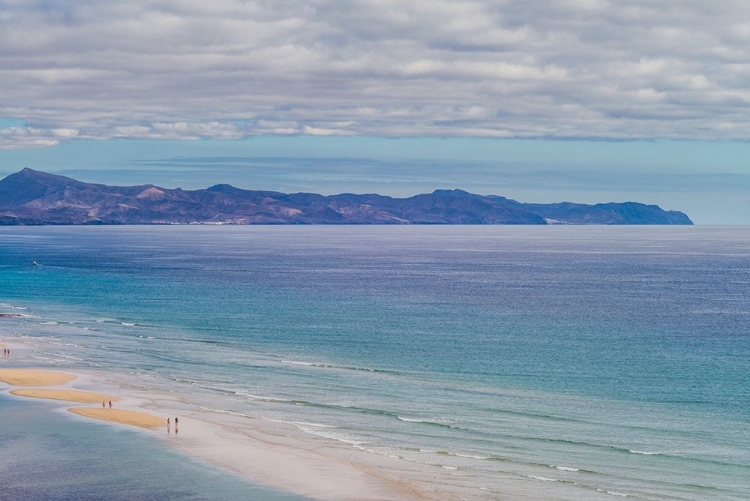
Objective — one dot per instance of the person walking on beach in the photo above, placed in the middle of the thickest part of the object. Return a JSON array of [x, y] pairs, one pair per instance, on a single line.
[[176, 425], [104, 404], [110, 404], [169, 430]]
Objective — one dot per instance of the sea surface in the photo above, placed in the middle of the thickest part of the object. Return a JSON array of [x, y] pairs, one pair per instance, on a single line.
[[547, 362]]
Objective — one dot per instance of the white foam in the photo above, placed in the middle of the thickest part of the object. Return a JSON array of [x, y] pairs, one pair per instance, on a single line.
[[339, 437], [256, 397], [615, 493], [437, 421], [471, 456], [564, 468], [544, 479], [410, 420], [12, 307], [294, 362]]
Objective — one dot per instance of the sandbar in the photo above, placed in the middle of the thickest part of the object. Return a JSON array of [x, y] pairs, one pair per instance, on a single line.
[[85, 397], [25, 377], [133, 418]]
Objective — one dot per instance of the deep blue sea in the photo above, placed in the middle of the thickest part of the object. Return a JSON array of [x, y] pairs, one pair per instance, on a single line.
[[547, 362]]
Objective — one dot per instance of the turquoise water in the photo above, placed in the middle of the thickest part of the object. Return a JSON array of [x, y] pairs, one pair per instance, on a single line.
[[602, 361]]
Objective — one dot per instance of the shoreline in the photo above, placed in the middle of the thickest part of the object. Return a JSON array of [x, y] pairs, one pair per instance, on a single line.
[[273, 460]]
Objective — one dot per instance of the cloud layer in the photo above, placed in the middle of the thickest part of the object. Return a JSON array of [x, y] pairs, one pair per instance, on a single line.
[[444, 68]]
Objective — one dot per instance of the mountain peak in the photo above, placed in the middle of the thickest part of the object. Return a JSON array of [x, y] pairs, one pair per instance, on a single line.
[[452, 193], [40, 176]]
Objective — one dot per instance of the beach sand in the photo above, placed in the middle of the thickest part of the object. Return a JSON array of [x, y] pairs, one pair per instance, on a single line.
[[133, 418], [271, 460], [26, 377], [86, 397]]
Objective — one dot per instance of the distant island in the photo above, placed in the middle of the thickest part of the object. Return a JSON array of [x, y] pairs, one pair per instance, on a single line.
[[31, 197]]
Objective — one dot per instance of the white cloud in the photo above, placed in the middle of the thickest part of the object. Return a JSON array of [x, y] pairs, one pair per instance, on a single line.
[[12, 138], [229, 68]]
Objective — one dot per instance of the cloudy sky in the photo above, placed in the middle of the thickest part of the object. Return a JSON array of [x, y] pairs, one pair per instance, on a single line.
[[583, 100]]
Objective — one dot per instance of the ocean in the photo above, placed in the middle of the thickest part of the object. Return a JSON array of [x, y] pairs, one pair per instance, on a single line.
[[474, 362]]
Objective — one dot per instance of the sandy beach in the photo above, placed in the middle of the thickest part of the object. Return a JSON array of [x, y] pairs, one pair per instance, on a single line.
[[275, 461], [132, 418], [28, 377], [84, 397]]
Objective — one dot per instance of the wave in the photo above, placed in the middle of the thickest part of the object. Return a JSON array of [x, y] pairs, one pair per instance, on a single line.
[[9, 306], [625, 450], [446, 453], [321, 430], [332, 435], [294, 362], [207, 386], [342, 407], [647, 453], [544, 479], [226, 411], [442, 422], [301, 423], [615, 493], [470, 456], [563, 468], [264, 398], [321, 365]]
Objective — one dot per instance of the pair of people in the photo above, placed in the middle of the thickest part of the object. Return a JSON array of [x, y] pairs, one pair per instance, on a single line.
[[104, 404], [176, 425], [6, 351]]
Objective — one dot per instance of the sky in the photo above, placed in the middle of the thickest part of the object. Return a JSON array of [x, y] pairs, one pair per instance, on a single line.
[[541, 101]]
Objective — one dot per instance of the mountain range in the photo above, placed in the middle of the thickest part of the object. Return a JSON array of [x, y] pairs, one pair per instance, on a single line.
[[31, 197]]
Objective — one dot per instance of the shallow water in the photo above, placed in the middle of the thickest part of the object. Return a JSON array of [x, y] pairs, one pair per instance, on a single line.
[[607, 361], [46, 456]]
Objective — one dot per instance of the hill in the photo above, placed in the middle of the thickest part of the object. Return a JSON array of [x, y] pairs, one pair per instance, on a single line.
[[31, 197]]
